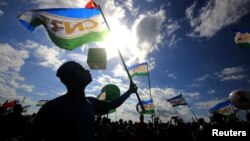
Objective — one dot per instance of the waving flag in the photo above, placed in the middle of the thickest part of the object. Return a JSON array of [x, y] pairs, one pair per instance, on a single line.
[[10, 104], [177, 100], [41, 102], [224, 108], [68, 28], [148, 106], [139, 70], [91, 4], [242, 38]]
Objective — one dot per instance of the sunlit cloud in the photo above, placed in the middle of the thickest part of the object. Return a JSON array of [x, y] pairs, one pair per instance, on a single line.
[[215, 15], [11, 61]]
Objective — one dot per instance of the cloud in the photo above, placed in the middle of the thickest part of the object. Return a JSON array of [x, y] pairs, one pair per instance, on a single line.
[[3, 3], [147, 29], [211, 91], [1, 12], [173, 41], [11, 61], [118, 71], [79, 57], [46, 56], [172, 75], [59, 3], [233, 73], [198, 81], [172, 26], [215, 15]]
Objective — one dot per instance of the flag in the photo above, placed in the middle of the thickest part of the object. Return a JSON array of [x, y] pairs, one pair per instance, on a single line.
[[177, 100], [224, 108], [41, 102], [139, 69], [242, 38], [148, 106], [68, 28], [10, 104], [91, 4]]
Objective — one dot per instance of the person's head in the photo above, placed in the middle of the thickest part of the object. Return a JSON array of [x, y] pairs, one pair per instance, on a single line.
[[73, 74]]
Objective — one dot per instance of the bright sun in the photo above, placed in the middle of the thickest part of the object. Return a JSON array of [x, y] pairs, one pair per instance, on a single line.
[[120, 38]]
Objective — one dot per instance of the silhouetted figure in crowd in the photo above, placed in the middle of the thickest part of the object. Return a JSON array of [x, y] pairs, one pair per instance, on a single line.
[[70, 117], [13, 124], [141, 129]]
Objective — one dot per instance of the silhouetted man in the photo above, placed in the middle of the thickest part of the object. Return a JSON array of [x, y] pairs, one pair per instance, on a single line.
[[70, 117]]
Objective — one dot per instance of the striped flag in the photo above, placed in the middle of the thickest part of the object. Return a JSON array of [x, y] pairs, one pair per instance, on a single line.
[[242, 38], [138, 70], [41, 102], [224, 108], [177, 100], [148, 106], [68, 28]]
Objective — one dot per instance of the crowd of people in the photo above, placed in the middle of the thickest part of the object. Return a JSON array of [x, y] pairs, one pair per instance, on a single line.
[[75, 117], [15, 127]]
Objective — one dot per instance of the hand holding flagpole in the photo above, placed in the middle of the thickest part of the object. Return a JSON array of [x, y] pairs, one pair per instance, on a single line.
[[124, 64]]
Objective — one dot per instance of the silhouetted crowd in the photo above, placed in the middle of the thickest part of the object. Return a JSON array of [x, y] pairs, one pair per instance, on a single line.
[[14, 126]]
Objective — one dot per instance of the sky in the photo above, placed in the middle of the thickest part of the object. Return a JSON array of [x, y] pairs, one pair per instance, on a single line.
[[189, 46]]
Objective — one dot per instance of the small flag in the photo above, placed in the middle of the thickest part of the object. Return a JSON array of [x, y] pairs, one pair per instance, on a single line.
[[68, 28], [148, 106], [224, 108], [91, 4], [41, 102], [177, 100], [139, 69], [242, 38], [9, 104]]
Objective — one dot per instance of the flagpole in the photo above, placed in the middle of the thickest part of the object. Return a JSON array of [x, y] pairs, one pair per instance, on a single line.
[[192, 111], [23, 99], [124, 64], [189, 107], [153, 114]]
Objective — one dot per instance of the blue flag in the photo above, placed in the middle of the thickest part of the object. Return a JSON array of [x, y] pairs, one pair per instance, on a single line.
[[177, 100], [148, 106], [138, 69], [224, 108]]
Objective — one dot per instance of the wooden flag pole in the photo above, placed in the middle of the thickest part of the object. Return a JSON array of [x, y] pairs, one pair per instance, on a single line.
[[123, 62]]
